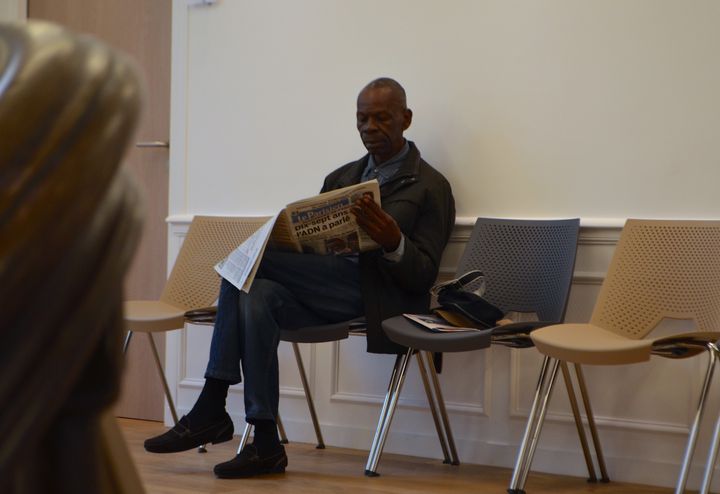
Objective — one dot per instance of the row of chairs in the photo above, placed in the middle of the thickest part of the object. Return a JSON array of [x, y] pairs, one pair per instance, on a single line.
[[528, 265]]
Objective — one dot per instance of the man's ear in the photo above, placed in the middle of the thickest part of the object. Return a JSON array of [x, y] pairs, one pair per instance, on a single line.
[[407, 113]]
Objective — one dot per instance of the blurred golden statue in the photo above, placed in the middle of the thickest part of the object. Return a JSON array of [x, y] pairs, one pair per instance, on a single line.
[[69, 223]]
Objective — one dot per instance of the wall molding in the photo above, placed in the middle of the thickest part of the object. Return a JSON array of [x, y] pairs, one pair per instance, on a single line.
[[465, 408], [461, 222], [238, 389], [468, 408], [517, 412], [588, 278], [593, 231], [178, 226]]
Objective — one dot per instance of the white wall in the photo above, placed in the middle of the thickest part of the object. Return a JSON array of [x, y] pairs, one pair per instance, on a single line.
[[555, 108], [521, 104], [13, 10]]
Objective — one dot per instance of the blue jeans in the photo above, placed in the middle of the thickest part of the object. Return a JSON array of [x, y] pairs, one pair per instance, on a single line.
[[289, 291]]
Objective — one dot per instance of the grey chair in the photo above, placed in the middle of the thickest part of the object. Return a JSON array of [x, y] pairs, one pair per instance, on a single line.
[[310, 334], [528, 267], [340, 331]]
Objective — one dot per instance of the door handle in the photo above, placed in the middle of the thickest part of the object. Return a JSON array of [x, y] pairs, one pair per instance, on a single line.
[[152, 144]]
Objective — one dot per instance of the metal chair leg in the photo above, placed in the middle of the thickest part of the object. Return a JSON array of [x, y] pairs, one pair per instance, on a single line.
[[245, 437], [591, 424], [249, 428], [433, 407], [281, 430], [529, 429], [712, 455], [386, 415], [534, 424], [308, 397], [383, 410], [162, 375], [578, 422], [692, 436], [126, 343], [454, 458], [541, 420]]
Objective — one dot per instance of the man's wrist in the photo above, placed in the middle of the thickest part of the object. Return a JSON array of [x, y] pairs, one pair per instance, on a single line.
[[396, 255]]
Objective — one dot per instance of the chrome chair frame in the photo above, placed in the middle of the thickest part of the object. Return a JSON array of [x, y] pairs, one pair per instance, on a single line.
[[432, 390], [514, 336], [158, 364], [192, 282], [677, 251], [438, 410]]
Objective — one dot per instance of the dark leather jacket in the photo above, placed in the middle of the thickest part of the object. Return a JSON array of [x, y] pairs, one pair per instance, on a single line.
[[420, 199]]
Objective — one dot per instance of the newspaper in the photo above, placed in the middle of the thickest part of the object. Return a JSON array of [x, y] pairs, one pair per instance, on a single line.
[[437, 324], [322, 224]]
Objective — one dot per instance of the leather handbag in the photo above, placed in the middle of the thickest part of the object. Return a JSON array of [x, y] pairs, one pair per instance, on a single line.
[[466, 308]]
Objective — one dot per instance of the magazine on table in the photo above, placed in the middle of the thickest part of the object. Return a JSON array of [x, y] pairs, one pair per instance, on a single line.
[[322, 224]]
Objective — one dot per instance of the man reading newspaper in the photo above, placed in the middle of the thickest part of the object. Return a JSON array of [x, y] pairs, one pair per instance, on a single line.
[[292, 290]]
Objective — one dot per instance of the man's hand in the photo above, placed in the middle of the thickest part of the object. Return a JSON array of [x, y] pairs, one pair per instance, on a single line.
[[381, 227]]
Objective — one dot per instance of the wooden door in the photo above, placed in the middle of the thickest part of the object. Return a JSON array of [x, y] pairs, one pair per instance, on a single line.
[[140, 28]]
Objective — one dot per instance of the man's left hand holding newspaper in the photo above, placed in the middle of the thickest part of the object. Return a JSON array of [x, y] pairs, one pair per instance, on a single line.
[[379, 225]]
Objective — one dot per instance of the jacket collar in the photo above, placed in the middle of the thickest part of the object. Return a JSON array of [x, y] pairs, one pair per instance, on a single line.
[[407, 173]]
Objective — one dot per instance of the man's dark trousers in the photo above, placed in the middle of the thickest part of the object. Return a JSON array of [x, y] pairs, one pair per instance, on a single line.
[[290, 291]]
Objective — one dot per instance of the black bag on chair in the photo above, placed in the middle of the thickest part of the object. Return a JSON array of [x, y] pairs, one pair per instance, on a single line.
[[466, 307]]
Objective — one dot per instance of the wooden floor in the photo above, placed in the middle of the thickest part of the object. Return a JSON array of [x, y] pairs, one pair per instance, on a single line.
[[337, 470]]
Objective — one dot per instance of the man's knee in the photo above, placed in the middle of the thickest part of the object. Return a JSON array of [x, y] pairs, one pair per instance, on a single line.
[[275, 264], [263, 294]]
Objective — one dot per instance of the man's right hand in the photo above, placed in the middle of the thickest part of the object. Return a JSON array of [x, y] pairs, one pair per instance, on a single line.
[[380, 226]]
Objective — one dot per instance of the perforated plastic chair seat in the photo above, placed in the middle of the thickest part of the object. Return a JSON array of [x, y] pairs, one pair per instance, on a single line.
[[400, 330], [192, 284], [527, 267], [590, 344], [153, 315], [661, 269], [593, 345]]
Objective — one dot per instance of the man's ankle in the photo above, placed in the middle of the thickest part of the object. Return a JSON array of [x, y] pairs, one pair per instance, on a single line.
[[266, 440], [210, 405]]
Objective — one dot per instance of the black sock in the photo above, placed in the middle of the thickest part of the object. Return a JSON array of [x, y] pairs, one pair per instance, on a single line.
[[266, 438], [210, 405]]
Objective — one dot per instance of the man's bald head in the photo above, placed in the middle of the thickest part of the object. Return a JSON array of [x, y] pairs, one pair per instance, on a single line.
[[391, 85]]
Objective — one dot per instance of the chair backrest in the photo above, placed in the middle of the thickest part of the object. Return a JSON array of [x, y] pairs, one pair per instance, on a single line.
[[528, 264], [662, 269], [193, 282]]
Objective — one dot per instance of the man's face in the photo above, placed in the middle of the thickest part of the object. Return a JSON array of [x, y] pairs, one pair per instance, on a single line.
[[381, 121]]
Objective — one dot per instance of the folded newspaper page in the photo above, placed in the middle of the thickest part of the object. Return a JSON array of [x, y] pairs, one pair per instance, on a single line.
[[437, 324], [322, 224], [240, 266]]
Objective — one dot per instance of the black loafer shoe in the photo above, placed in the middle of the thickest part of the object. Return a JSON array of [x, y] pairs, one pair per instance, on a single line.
[[185, 436], [248, 464]]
